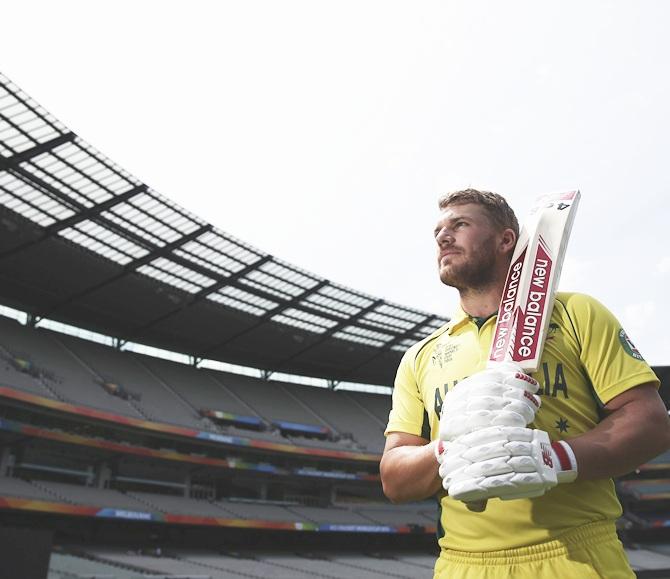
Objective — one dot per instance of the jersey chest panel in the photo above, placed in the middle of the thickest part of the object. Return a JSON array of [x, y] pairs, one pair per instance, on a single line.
[[568, 405]]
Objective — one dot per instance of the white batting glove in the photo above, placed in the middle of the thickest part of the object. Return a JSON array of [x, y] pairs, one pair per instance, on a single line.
[[502, 395], [504, 462]]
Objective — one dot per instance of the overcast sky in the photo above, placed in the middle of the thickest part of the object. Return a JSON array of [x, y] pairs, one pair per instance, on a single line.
[[324, 132]]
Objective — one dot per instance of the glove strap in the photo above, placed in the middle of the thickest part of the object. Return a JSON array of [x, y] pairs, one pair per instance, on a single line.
[[566, 462]]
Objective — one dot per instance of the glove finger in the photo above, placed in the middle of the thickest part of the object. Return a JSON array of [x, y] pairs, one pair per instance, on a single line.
[[507, 366], [522, 464], [519, 448], [452, 464], [519, 434], [522, 381], [451, 428], [509, 371], [483, 388], [468, 490], [529, 480], [506, 418], [502, 414], [494, 466], [454, 447], [485, 403], [524, 482], [490, 434], [513, 484], [499, 485], [486, 451], [522, 402], [525, 409], [483, 436], [512, 393]]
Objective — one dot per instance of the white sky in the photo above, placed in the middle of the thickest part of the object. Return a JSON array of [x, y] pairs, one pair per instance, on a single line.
[[323, 132]]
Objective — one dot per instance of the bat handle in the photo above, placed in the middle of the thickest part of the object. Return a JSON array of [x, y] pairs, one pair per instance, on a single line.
[[476, 506]]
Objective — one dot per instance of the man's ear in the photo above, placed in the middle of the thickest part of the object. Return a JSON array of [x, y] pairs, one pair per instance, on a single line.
[[507, 240]]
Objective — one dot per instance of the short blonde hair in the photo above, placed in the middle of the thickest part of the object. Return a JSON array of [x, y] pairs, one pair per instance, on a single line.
[[495, 205]]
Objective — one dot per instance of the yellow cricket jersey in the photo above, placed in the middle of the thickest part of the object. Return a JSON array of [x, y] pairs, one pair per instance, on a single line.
[[587, 361]]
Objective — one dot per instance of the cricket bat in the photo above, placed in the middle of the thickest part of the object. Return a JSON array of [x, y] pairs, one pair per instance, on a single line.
[[532, 279]]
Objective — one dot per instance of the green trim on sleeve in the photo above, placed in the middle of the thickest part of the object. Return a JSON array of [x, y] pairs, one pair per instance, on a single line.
[[425, 426]]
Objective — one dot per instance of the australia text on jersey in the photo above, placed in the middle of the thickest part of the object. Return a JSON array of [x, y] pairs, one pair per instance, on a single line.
[[552, 383]]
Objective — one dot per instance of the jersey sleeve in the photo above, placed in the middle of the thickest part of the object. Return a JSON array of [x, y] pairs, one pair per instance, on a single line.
[[612, 362], [407, 408]]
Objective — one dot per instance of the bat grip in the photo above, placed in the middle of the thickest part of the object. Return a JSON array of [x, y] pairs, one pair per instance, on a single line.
[[476, 506]]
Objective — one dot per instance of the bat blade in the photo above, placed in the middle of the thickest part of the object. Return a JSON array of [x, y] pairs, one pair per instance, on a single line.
[[532, 279], [528, 295]]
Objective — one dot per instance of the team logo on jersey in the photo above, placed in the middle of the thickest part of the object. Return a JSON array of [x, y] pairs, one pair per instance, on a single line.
[[553, 328], [443, 354], [628, 346]]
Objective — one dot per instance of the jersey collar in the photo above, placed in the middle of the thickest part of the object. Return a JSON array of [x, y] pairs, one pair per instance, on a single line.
[[458, 320]]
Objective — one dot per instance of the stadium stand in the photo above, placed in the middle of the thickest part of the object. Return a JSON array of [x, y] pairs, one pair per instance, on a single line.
[[267, 564], [156, 400], [342, 414], [380, 406], [83, 495], [354, 418], [258, 511], [108, 447], [60, 371], [419, 515], [70, 566], [16, 487], [201, 389]]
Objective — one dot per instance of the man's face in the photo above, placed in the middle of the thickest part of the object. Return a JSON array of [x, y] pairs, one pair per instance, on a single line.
[[466, 247]]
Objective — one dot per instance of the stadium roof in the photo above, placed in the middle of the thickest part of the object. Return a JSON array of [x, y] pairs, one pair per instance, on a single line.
[[84, 242]]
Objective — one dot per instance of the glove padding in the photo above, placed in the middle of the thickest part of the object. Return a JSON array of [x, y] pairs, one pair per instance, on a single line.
[[502, 395], [504, 462]]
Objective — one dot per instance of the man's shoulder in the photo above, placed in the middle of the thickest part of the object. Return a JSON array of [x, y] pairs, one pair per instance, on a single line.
[[576, 301], [414, 350]]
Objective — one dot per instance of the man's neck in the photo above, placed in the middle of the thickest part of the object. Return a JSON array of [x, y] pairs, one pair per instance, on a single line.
[[481, 302]]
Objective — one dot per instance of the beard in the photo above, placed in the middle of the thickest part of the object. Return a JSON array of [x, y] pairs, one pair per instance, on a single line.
[[478, 271]]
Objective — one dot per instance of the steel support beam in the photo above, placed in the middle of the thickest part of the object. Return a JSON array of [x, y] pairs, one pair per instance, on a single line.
[[130, 268], [293, 302], [330, 332], [387, 347], [202, 294], [90, 213], [14, 161]]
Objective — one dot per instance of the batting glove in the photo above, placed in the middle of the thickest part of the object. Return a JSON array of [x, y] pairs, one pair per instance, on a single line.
[[502, 395], [504, 462]]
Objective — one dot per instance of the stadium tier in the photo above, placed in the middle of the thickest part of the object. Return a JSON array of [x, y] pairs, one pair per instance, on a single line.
[[200, 565], [70, 464], [110, 563], [107, 447], [167, 392]]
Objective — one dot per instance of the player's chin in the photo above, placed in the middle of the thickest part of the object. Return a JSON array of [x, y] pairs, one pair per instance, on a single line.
[[448, 276]]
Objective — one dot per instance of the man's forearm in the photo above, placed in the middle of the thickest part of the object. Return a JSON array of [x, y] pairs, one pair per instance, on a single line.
[[410, 473], [627, 438]]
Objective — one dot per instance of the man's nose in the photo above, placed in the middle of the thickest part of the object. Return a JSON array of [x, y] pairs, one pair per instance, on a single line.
[[444, 237]]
